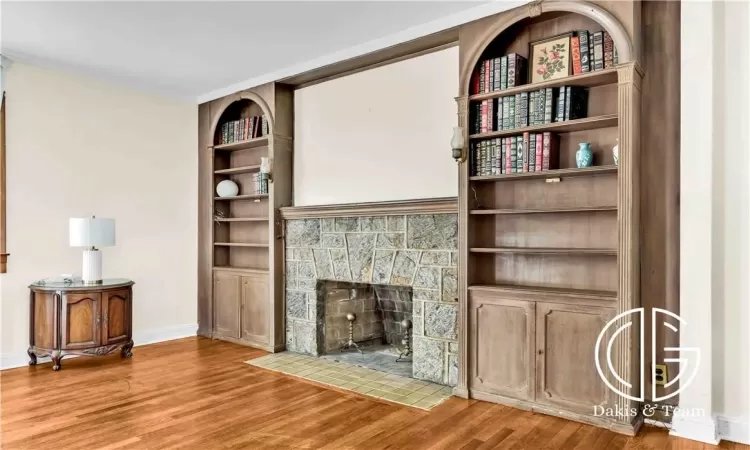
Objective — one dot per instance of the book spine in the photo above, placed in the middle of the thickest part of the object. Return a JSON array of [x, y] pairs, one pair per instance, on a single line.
[[554, 151], [512, 152], [492, 74], [525, 150], [609, 47], [487, 85], [521, 70], [481, 78], [511, 70], [504, 72], [498, 107], [598, 50], [560, 114], [493, 157], [524, 109], [483, 127], [538, 153], [548, 104], [615, 58], [472, 159], [569, 103], [503, 157], [265, 125], [532, 152], [496, 84], [519, 154], [512, 112], [517, 110], [490, 115], [506, 113], [475, 82], [583, 37], [575, 46], [541, 103], [532, 108]]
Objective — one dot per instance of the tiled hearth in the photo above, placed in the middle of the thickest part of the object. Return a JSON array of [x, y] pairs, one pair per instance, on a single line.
[[416, 251]]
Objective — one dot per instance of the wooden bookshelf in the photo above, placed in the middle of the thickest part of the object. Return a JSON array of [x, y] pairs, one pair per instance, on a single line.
[[551, 255], [240, 257]]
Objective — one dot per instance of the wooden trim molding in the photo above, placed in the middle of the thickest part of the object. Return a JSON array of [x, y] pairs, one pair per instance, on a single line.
[[444, 205]]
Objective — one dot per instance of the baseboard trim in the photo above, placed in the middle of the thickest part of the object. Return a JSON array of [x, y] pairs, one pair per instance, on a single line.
[[734, 429], [701, 429], [144, 337]]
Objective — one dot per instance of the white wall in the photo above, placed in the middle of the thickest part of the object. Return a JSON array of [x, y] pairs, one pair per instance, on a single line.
[[76, 147], [378, 135], [715, 169]]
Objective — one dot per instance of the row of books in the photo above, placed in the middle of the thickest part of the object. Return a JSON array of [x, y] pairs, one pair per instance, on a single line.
[[260, 183], [529, 108], [243, 129], [530, 152], [497, 74], [592, 51]]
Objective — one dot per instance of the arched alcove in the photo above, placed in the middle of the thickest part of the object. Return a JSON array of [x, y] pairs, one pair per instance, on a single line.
[[241, 106], [518, 27]]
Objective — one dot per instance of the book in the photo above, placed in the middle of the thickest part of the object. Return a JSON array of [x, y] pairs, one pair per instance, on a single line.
[[538, 153], [532, 108], [517, 110], [511, 112], [475, 82], [549, 103], [264, 125], [503, 156], [525, 150], [511, 150], [496, 84], [490, 115], [481, 78], [541, 103], [560, 113], [493, 156], [506, 113], [498, 113], [575, 48], [550, 151], [512, 61], [615, 58], [483, 128], [576, 106], [519, 155], [524, 122], [609, 48], [492, 75], [598, 39], [532, 151], [583, 37], [504, 72], [519, 73]]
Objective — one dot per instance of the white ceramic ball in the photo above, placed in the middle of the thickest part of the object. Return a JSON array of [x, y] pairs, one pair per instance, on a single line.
[[227, 188]]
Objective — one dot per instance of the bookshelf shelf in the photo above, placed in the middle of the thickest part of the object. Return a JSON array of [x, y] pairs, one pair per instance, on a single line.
[[236, 170], [559, 292], [557, 173], [590, 79], [546, 251], [244, 145], [243, 197], [582, 209], [589, 123], [240, 269], [243, 219], [240, 244]]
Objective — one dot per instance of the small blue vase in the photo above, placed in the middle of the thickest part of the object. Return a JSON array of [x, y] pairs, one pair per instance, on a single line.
[[584, 155]]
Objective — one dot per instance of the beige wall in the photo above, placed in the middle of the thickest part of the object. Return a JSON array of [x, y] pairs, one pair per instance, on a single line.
[[76, 147], [382, 134]]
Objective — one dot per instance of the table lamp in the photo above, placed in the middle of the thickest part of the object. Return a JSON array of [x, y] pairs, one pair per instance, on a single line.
[[90, 232]]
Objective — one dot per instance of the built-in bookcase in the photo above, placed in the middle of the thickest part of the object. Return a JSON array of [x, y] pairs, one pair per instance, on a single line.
[[548, 257]]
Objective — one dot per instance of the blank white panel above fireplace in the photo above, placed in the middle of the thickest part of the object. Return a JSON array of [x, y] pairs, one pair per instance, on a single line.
[[381, 134]]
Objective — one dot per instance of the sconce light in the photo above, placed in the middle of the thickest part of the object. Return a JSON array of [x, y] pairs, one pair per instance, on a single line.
[[457, 144], [265, 168]]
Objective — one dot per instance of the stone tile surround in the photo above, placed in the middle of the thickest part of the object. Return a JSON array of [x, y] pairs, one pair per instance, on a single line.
[[405, 250]]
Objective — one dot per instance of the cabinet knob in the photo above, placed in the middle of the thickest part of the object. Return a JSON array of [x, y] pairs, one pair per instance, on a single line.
[[539, 352]]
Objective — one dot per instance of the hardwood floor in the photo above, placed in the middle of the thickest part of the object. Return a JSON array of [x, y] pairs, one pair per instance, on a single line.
[[198, 393]]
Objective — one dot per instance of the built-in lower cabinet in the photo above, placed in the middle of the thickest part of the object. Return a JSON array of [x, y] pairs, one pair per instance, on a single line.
[[535, 352], [241, 307]]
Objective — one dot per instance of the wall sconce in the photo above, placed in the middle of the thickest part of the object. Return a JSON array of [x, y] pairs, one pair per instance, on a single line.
[[265, 168], [457, 144]]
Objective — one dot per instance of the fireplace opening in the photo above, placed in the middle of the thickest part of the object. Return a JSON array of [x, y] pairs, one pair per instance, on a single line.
[[368, 325]]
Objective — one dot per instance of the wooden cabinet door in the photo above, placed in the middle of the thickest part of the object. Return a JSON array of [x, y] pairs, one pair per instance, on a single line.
[[116, 314], [566, 370], [81, 321], [501, 343], [227, 305], [255, 308]]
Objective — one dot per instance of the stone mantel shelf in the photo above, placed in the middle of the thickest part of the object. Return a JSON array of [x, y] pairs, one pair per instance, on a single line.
[[443, 205]]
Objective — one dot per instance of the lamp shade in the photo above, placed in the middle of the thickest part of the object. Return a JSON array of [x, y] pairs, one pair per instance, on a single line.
[[92, 232]]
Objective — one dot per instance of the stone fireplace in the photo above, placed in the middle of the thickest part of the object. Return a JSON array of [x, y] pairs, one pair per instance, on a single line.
[[395, 265]]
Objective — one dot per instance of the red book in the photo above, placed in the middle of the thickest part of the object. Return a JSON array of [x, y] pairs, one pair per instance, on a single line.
[[609, 47], [538, 154], [575, 46], [487, 87], [483, 126], [475, 82], [551, 151], [247, 128], [526, 151]]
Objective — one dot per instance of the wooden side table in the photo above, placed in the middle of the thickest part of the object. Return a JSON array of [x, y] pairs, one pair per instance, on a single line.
[[80, 319]]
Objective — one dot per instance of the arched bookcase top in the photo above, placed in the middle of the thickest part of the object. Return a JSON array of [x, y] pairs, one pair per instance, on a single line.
[[620, 37], [228, 101]]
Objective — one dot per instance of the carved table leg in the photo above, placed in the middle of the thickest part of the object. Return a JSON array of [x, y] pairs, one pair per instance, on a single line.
[[32, 356], [57, 357], [126, 353]]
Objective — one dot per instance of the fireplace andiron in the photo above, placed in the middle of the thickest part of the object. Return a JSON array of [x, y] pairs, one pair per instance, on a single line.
[[351, 317], [406, 353]]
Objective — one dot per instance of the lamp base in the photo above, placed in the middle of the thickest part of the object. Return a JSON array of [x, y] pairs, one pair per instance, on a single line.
[[92, 266]]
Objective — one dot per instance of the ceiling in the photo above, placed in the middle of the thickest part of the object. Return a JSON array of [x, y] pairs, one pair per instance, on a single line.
[[193, 50]]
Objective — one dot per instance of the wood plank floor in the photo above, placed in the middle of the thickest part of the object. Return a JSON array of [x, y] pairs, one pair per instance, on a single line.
[[198, 393]]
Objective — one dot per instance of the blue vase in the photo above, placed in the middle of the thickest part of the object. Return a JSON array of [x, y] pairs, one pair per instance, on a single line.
[[584, 155]]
